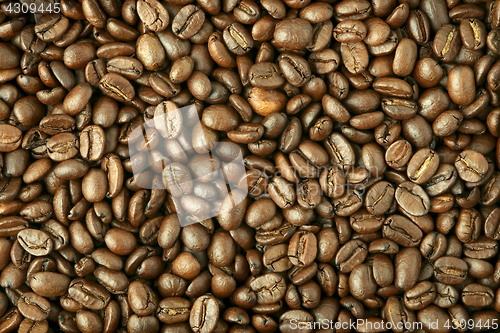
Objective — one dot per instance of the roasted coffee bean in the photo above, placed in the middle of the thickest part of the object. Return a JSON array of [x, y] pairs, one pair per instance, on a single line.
[[477, 295], [447, 42], [422, 166], [471, 166], [204, 314], [450, 270], [412, 199], [293, 33], [35, 242], [33, 306], [407, 267], [402, 231], [49, 284], [188, 21], [153, 14], [10, 138], [117, 87], [269, 288]]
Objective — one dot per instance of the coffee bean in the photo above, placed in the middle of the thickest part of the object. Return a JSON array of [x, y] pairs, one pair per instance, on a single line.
[[450, 270], [293, 33], [188, 21], [446, 44], [49, 284], [407, 267], [10, 138], [412, 198], [36, 242], [477, 295], [34, 306], [153, 14], [422, 166], [204, 314], [269, 288], [471, 166], [117, 87]]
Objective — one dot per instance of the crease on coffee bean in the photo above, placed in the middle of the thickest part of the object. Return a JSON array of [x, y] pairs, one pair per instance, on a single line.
[[284, 196], [115, 91], [248, 10], [446, 293], [296, 67], [355, 64], [172, 311], [423, 167], [28, 302], [447, 45], [420, 298], [240, 40], [132, 70], [421, 24], [381, 196], [86, 290], [473, 247], [450, 271], [487, 188], [42, 30], [348, 202], [477, 33], [156, 15], [436, 180], [314, 39], [413, 194], [44, 245], [202, 312], [256, 187], [337, 153], [478, 293], [185, 25]]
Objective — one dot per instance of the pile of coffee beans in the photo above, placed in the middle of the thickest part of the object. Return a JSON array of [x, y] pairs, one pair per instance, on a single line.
[[249, 166]]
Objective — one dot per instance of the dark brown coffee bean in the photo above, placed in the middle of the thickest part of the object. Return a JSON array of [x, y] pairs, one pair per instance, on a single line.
[[446, 44], [462, 95], [117, 87], [412, 198], [204, 314], [142, 299], [450, 270], [293, 33], [302, 248], [153, 14], [269, 288], [355, 56], [49, 284], [237, 38], [295, 69], [350, 31], [402, 230], [36, 242], [471, 165], [422, 166], [379, 198], [33, 306], [350, 255], [407, 267], [188, 21], [477, 295], [10, 138]]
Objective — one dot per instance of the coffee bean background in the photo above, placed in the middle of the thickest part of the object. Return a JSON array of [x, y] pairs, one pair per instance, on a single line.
[[369, 136]]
